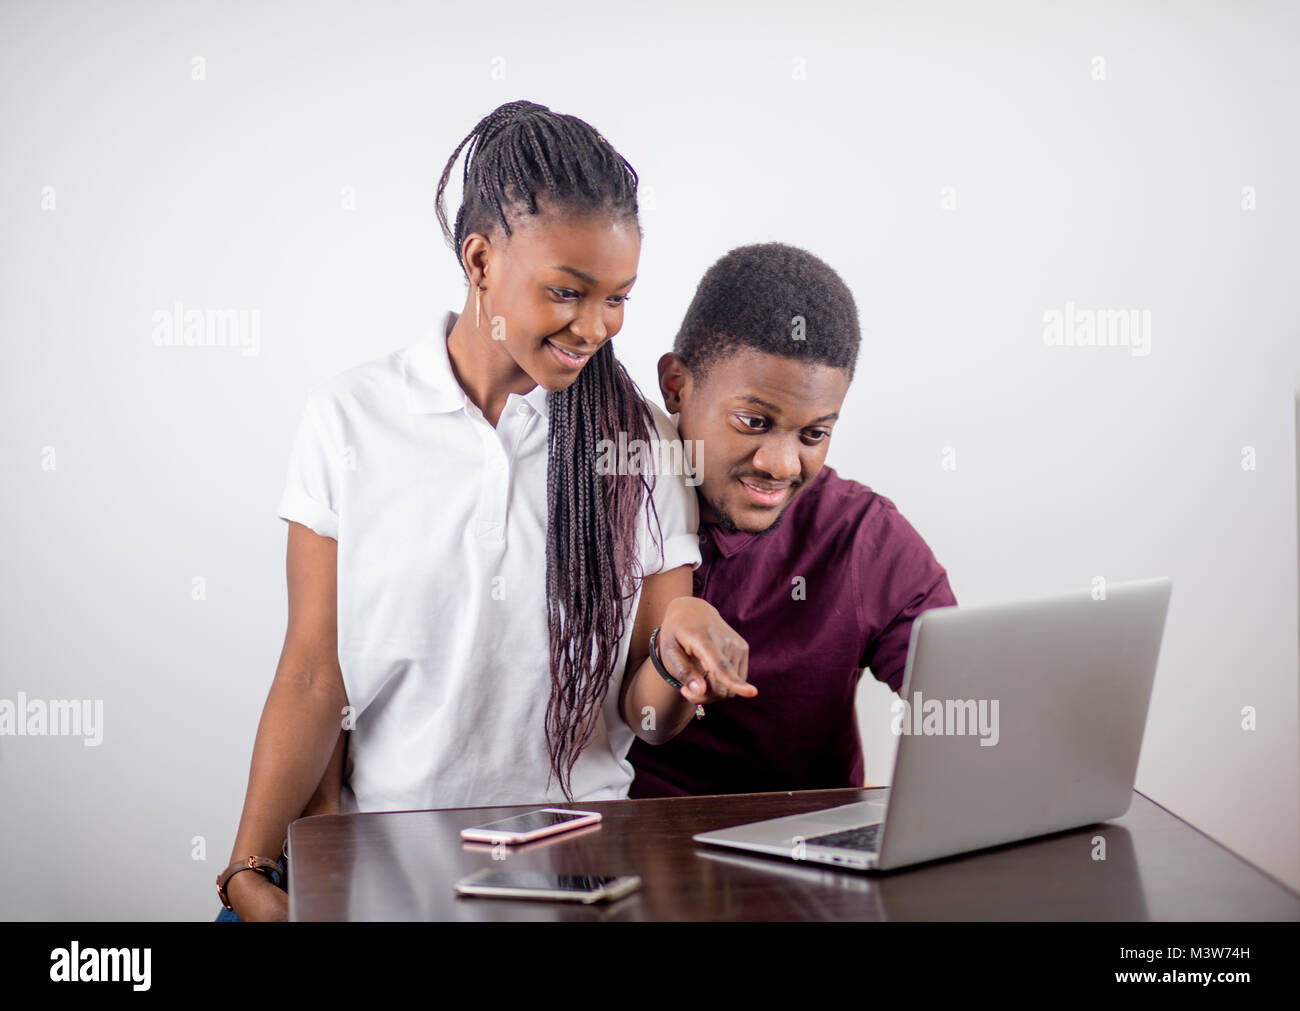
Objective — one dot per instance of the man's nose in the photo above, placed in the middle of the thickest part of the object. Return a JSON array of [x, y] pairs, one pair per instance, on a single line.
[[778, 457]]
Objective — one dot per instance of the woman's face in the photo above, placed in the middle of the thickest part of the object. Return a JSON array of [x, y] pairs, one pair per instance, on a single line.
[[555, 289]]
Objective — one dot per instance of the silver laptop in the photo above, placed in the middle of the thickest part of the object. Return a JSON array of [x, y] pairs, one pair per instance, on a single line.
[[1014, 721]]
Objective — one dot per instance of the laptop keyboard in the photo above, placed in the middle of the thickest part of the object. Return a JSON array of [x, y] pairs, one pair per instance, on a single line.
[[865, 838]]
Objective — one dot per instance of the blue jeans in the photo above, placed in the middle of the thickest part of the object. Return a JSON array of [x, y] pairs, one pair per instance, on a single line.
[[279, 878]]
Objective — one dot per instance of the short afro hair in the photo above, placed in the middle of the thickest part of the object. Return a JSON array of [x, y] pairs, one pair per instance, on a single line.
[[774, 298]]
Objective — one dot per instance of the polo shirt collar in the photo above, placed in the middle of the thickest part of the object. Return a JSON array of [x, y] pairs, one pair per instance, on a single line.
[[729, 543], [431, 386], [536, 398]]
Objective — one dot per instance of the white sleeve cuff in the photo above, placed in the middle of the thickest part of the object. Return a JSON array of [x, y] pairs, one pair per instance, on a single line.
[[296, 506], [679, 550]]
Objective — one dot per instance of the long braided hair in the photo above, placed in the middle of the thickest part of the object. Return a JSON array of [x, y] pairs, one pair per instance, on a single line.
[[515, 153]]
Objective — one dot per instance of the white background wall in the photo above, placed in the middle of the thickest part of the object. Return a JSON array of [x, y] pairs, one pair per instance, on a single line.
[[1118, 193]]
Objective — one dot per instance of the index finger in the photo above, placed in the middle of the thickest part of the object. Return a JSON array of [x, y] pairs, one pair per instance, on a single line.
[[738, 652], [725, 659], [743, 673]]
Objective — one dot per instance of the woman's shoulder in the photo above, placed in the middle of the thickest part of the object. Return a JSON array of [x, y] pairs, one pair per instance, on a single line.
[[369, 388], [665, 429], [665, 454]]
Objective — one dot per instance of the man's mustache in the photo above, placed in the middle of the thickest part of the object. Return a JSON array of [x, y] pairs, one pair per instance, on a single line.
[[767, 482]]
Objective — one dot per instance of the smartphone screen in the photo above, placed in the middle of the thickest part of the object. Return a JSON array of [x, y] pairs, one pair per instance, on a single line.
[[532, 821]]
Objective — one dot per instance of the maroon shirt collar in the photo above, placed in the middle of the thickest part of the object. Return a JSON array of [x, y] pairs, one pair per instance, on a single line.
[[728, 543]]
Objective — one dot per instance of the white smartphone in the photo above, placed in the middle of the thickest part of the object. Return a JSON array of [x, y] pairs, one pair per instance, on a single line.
[[524, 828], [586, 888]]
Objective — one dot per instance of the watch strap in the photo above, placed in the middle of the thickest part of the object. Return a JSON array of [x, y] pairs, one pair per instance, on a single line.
[[263, 865]]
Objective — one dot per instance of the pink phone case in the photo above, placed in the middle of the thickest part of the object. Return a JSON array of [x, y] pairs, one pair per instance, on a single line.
[[485, 833]]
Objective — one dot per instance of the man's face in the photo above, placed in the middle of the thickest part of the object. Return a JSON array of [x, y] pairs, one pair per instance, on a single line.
[[761, 424], [557, 284]]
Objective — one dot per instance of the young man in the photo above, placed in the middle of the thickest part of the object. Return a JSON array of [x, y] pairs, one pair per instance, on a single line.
[[820, 575]]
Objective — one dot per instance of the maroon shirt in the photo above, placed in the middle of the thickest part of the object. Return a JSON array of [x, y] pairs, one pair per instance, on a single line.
[[866, 575]]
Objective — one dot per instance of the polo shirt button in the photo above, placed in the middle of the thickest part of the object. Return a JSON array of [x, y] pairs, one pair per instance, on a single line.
[[521, 409]]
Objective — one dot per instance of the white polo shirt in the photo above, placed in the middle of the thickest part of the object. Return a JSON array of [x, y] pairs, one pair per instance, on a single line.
[[441, 527]]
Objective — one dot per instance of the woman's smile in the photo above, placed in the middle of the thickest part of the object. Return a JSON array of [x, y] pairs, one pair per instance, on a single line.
[[569, 359]]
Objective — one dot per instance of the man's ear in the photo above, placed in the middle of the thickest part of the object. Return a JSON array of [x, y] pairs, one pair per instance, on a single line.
[[672, 380]]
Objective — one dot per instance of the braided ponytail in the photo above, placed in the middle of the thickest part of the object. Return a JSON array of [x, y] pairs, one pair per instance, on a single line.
[[515, 153]]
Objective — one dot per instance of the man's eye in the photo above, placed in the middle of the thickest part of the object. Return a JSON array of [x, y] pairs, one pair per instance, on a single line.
[[817, 435], [745, 420]]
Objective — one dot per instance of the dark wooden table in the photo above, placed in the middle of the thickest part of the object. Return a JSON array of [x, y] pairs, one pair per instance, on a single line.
[[401, 866]]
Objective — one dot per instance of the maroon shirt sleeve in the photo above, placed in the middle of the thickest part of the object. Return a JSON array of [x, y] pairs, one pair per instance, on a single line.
[[896, 577]]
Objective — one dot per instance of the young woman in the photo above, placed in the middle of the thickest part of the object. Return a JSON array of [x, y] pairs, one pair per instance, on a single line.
[[471, 594]]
